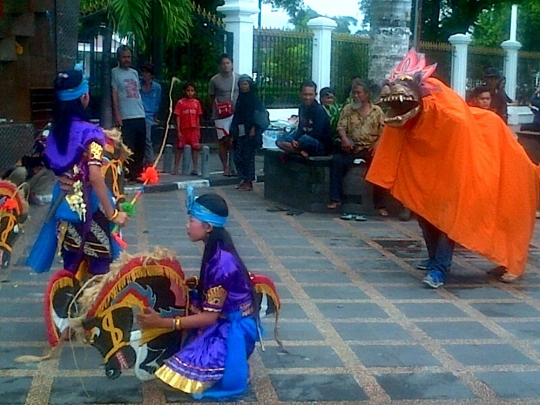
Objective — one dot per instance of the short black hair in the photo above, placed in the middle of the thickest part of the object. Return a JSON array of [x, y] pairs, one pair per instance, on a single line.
[[479, 90], [189, 84], [122, 48], [308, 83], [224, 56]]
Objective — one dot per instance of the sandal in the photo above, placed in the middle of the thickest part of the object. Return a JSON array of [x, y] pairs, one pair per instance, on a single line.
[[360, 218], [333, 205], [383, 212], [347, 217]]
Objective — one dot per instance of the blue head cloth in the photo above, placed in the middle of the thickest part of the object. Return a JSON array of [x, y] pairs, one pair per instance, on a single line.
[[74, 93], [201, 213]]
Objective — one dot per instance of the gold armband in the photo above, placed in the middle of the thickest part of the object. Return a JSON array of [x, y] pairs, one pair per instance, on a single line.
[[177, 323]]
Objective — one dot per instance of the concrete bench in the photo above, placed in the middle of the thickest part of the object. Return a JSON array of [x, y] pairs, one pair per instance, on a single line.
[[304, 184]]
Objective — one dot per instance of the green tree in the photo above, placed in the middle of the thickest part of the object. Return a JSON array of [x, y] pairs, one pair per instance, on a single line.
[[140, 19], [493, 26]]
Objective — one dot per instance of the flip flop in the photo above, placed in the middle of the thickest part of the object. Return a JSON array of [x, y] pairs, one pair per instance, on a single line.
[[347, 217], [360, 218]]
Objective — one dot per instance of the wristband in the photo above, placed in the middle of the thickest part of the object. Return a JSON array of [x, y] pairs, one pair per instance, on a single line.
[[177, 323]]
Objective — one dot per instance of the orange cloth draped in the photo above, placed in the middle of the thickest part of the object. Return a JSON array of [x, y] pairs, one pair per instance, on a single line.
[[460, 168]]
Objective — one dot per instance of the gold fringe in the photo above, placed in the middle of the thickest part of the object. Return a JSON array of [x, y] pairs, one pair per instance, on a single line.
[[175, 380]]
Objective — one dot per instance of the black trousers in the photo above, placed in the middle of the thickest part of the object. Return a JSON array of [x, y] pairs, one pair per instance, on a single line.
[[341, 163], [134, 136]]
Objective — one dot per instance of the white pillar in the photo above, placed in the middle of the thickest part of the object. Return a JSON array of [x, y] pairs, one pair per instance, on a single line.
[[510, 66], [322, 50], [238, 20], [459, 62]]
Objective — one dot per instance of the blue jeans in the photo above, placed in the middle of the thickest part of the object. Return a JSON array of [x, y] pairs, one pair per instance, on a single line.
[[307, 143], [440, 247]]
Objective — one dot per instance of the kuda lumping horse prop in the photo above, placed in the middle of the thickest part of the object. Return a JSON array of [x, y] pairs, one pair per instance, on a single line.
[[102, 312], [13, 212]]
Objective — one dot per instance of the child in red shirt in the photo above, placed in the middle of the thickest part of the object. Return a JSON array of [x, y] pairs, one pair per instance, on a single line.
[[188, 112]]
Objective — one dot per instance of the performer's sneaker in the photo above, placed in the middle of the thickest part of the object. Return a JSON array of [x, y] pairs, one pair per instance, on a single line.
[[434, 279]]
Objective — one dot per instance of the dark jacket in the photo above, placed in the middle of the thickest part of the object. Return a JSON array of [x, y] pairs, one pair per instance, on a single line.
[[314, 121]]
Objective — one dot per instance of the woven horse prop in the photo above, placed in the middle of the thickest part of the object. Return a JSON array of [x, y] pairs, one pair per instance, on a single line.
[[13, 212], [102, 312]]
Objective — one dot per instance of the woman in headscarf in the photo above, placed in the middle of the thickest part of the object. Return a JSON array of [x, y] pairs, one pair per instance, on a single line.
[[249, 121]]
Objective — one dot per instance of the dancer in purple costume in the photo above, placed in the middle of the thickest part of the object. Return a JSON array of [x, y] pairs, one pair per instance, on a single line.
[[213, 361], [80, 197]]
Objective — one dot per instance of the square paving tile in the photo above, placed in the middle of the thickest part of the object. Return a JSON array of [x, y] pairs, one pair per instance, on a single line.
[[506, 310], [350, 310], [13, 390], [292, 330], [389, 277], [487, 354], [408, 292], [333, 276], [26, 310], [85, 358], [420, 386], [15, 289], [523, 330], [292, 311], [361, 265], [456, 330], [300, 357], [180, 397], [297, 251], [66, 390], [351, 242], [9, 354], [371, 331], [307, 264], [23, 331], [483, 292], [335, 292], [533, 292], [432, 310], [317, 387], [394, 356], [512, 384]]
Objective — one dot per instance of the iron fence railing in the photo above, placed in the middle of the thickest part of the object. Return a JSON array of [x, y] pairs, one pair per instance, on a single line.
[[350, 59], [282, 61]]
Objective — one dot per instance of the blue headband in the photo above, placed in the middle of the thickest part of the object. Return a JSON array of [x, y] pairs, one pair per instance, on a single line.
[[201, 213], [74, 93]]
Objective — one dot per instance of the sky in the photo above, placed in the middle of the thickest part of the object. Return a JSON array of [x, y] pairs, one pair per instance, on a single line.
[[331, 8]]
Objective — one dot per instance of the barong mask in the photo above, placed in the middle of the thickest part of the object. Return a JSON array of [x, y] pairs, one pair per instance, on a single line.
[[401, 94]]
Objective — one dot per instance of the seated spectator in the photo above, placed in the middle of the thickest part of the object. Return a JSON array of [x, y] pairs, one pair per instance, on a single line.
[[359, 127], [327, 97], [312, 138], [31, 169], [534, 104], [481, 97]]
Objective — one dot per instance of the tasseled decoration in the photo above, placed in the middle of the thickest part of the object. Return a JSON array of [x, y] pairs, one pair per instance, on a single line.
[[150, 175], [128, 208], [9, 205]]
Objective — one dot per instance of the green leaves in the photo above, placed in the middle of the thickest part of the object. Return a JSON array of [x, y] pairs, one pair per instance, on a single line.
[[140, 20]]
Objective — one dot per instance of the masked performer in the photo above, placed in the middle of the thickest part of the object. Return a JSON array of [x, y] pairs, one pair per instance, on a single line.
[[83, 209], [459, 169], [222, 322]]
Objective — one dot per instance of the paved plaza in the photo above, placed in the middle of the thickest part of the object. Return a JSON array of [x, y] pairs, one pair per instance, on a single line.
[[357, 324]]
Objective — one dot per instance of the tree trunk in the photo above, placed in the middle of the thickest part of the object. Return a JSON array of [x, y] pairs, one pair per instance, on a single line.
[[106, 113], [390, 35]]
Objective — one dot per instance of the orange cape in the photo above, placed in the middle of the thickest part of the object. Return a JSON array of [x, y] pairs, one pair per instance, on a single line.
[[461, 169]]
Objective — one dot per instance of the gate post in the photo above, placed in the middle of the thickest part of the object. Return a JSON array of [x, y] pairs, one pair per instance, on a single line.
[[459, 62], [238, 20], [322, 50]]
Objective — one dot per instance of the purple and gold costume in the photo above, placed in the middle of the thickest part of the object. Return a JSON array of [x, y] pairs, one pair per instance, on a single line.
[[213, 362], [86, 233]]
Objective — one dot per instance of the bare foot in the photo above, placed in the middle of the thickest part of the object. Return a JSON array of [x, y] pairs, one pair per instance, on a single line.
[[383, 212], [304, 153], [333, 205]]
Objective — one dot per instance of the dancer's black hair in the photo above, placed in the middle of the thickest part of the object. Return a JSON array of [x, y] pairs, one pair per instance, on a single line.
[[65, 111], [220, 236]]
